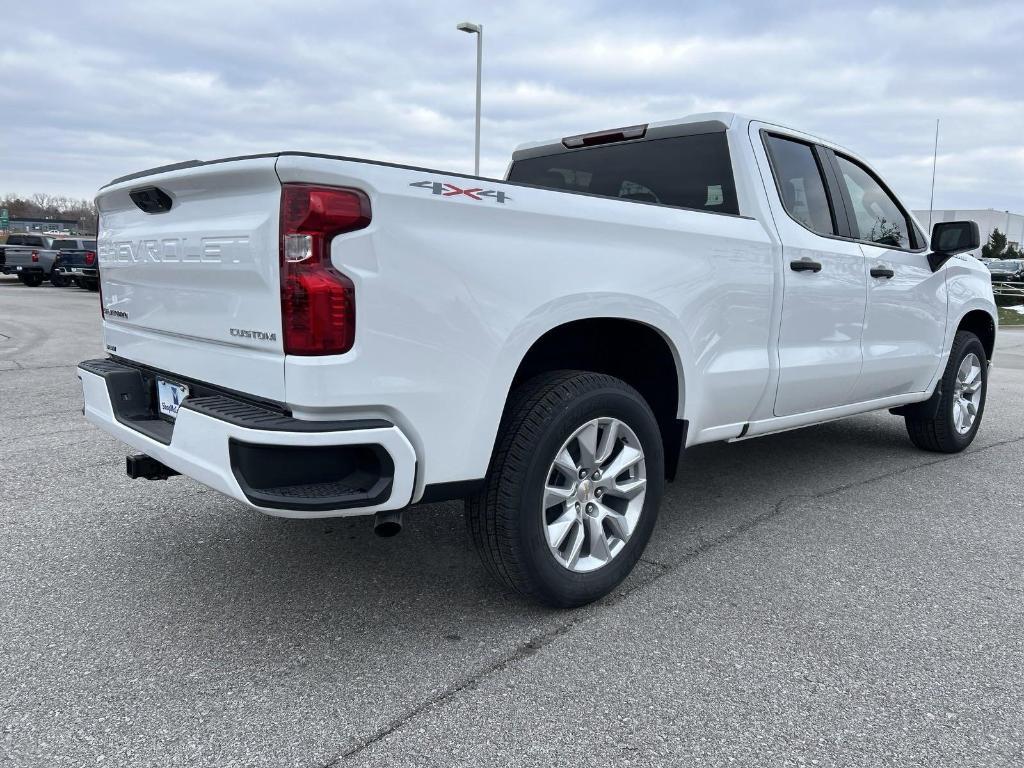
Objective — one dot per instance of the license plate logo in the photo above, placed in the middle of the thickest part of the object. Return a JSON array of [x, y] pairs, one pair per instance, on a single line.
[[170, 396]]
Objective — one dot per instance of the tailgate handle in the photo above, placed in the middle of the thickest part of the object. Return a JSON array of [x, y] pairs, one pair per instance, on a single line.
[[151, 199]]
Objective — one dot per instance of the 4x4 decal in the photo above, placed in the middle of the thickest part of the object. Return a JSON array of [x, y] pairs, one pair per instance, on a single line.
[[447, 189]]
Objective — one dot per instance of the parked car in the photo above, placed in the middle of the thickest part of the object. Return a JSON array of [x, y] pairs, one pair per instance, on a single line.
[[76, 263], [320, 336], [30, 257], [1006, 270]]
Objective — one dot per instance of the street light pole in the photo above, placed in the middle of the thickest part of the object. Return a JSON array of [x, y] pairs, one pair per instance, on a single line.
[[478, 30]]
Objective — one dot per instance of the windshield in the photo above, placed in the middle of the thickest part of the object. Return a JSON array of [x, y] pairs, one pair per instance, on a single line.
[[1004, 264]]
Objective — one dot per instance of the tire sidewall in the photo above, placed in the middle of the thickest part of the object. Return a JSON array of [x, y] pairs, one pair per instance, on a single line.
[[561, 586], [971, 344]]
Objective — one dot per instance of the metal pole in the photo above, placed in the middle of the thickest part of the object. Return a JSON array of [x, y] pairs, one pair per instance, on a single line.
[[479, 74], [935, 159]]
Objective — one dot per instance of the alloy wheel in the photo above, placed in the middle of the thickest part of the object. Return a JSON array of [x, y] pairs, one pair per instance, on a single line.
[[594, 494]]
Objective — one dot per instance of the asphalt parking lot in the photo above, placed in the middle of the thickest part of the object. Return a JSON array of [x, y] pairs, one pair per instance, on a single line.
[[829, 594]]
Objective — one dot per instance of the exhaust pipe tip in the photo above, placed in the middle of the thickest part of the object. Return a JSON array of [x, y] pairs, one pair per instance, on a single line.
[[387, 524]]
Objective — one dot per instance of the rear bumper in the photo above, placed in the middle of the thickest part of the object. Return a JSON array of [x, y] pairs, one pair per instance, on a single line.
[[78, 271], [267, 460]]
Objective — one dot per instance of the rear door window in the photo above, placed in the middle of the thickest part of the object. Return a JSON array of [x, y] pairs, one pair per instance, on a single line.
[[685, 172], [798, 177]]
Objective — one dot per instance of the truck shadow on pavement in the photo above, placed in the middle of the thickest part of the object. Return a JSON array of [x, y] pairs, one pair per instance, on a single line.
[[308, 579]]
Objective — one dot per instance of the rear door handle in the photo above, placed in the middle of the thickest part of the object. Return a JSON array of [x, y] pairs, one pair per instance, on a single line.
[[882, 272], [805, 265]]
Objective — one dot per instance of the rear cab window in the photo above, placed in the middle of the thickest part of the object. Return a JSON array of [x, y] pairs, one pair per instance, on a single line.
[[693, 172]]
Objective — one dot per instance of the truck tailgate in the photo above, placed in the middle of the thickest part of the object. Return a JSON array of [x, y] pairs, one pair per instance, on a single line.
[[195, 290]]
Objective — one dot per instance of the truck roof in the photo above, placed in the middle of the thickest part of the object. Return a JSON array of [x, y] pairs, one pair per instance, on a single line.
[[703, 122]]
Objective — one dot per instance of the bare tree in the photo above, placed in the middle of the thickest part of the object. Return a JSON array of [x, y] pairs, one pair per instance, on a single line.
[[45, 206]]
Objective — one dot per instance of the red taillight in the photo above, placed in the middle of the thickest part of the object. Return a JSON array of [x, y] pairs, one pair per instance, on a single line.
[[35, 255], [90, 257], [318, 303]]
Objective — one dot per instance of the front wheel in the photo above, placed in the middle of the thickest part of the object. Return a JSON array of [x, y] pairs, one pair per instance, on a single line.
[[961, 400], [573, 490]]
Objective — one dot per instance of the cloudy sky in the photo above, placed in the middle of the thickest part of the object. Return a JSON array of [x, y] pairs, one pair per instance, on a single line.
[[90, 91]]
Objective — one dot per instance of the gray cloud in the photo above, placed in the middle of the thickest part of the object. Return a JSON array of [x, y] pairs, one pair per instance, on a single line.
[[92, 91]]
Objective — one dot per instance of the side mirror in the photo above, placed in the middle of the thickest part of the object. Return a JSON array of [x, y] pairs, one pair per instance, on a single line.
[[950, 238]]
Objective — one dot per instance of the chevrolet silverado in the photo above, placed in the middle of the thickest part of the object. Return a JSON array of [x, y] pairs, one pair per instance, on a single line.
[[320, 336]]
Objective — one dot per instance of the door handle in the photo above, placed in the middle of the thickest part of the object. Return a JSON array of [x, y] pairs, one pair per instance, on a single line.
[[805, 265], [882, 272]]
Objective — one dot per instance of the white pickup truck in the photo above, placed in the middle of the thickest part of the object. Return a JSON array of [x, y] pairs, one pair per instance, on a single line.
[[319, 336]]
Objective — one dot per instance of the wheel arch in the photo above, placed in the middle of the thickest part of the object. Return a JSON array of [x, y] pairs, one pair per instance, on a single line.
[[982, 324], [653, 367]]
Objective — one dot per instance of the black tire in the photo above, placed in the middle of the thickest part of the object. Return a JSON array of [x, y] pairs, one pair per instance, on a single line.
[[505, 519], [936, 431], [32, 279], [91, 285], [57, 279]]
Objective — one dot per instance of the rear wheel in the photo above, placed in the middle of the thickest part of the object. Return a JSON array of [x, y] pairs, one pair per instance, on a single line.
[[32, 279], [58, 279], [92, 285], [964, 384], [573, 490]]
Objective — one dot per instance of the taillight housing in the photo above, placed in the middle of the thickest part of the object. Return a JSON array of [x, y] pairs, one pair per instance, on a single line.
[[318, 303], [35, 255], [90, 257]]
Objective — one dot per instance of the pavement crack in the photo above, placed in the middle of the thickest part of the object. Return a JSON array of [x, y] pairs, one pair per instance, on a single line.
[[522, 651]]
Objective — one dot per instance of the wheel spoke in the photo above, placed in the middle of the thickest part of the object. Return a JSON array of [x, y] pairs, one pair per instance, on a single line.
[[556, 495], [559, 529], [618, 523], [598, 539], [965, 416], [964, 370], [565, 464], [608, 441], [587, 440], [629, 489], [572, 555], [628, 457]]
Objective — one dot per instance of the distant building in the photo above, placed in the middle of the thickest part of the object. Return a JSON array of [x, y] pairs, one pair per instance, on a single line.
[[68, 226], [1010, 224]]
